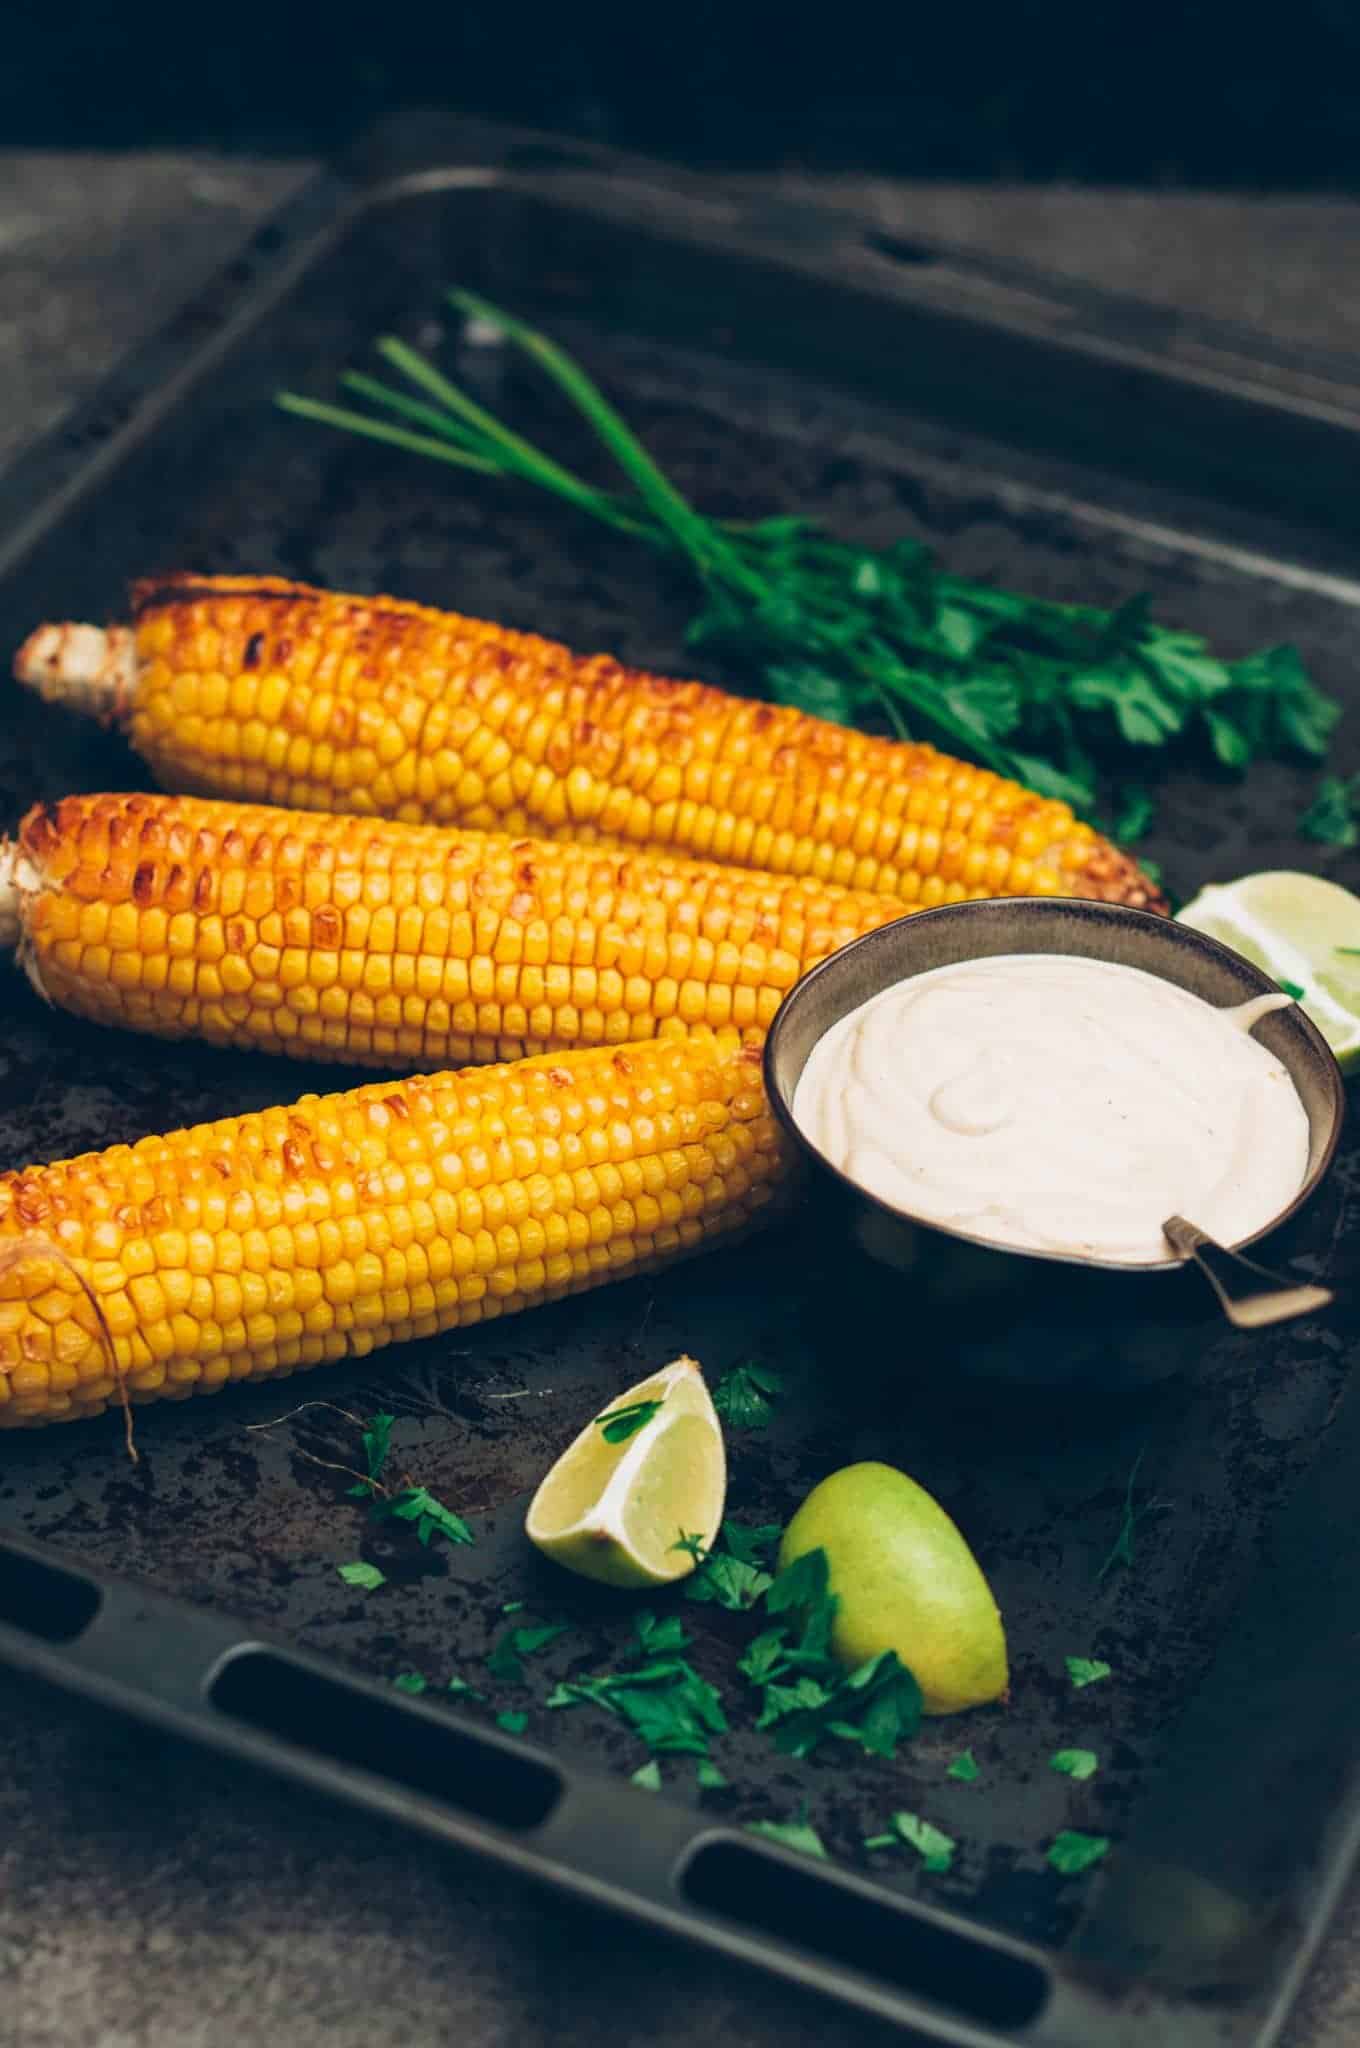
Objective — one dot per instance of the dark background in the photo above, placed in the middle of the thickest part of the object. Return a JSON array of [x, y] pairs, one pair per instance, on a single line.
[[1203, 92]]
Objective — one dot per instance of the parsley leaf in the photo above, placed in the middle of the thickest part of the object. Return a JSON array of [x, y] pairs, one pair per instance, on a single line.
[[512, 1607], [417, 1504], [1134, 816], [1330, 818], [1071, 1852], [1085, 1670], [710, 1778], [752, 1546], [460, 1689], [694, 1546], [1075, 1763], [648, 1776], [797, 1833], [964, 1768], [744, 1397], [365, 1576], [666, 1703], [410, 1681], [505, 1661], [1291, 988], [657, 1637], [377, 1440], [1121, 1550], [724, 1581], [620, 1423], [935, 1848], [512, 1723]]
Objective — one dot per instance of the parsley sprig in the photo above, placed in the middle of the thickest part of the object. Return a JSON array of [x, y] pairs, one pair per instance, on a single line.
[[1052, 694]]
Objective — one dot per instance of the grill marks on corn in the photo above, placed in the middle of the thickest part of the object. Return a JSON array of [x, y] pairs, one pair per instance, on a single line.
[[261, 1245], [382, 706], [366, 940]]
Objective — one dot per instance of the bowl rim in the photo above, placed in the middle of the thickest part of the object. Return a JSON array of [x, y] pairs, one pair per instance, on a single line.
[[991, 907]]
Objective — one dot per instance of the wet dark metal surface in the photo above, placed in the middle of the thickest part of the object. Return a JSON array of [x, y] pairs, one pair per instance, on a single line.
[[233, 1505]]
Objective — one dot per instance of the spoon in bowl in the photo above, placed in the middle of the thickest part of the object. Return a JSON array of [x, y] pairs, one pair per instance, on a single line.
[[1250, 1296]]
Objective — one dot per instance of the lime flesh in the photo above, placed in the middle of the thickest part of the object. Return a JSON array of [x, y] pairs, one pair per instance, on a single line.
[[1297, 928], [615, 1511], [906, 1581]]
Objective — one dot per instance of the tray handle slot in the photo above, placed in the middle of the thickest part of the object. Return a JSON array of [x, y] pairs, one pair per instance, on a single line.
[[43, 1600], [421, 1752], [973, 1978]]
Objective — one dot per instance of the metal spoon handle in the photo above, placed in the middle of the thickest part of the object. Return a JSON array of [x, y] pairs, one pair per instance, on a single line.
[[1250, 1295]]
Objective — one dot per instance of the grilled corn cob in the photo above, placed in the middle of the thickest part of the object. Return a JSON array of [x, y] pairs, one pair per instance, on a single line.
[[260, 1245], [363, 940], [255, 687]]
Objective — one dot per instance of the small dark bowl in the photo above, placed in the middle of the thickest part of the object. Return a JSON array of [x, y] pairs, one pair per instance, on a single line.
[[1052, 1317]]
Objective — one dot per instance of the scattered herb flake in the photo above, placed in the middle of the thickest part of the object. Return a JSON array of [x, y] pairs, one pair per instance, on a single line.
[[505, 1661], [889, 1841], [620, 1423], [793, 1834], [659, 1637], [709, 1776], [366, 1576], [964, 1768], [935, 1848], [752, 1546], [512, 1723], [1134, 816], [1121, 1550], [410, 1681], [693, 1546], [745, 1395], [460, 1689], [1351, 952], [1330, 818], [666, 1703], [1071, 1852], [724, 1581], [417, 1504], [1291, 988], [1085, 1670], [1075, 1763], [513, 1607], [377, 1440], [648, 1776]]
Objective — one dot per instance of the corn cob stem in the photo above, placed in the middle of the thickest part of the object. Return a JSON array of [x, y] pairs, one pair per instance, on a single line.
[[362, 940], [265, 1244], [90, 668], [272, 690]]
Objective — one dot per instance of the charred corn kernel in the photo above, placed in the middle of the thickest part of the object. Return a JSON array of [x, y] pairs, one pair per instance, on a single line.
[[508, 954], [375, 705], [575, 1168]]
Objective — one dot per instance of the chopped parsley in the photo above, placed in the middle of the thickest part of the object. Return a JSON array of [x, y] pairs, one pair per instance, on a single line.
[[745, 1395], [1291, 988], [513, 1607], [512, 1723], [366, 1576], [665, 1703], [1330, 818], [648, 1776], [1075, 1763], [724, 1581], [797, 1833], [1121, 1550], [1085, 1670], [1134, 816], [410, 1681], [710, 1778], [964, 1768], [656, 1638], [1071, 1852], [417, 1504], [620, 1423], [377, 1441], [694, 1546], [506, 1661], [933, 1846], [753, 1545]]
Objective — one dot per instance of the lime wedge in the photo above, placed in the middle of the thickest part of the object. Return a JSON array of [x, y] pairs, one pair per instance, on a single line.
[[1301, 930], [616, 1510]]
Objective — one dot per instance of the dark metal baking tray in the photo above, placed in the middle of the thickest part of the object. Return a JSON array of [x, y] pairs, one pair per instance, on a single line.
[[1060, 442]]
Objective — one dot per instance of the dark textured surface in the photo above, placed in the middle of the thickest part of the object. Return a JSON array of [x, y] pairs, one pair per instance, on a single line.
[[223, 1515]]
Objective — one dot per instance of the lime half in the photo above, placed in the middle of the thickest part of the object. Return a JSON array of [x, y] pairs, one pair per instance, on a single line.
[[1302, 931], [647, 1471]]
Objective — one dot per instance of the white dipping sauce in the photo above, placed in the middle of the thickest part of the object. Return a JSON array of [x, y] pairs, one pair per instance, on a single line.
[[1058, 1104]]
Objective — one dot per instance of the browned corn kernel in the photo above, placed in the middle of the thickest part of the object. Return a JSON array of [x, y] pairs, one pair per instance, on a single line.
[[264, 1244], [255, 687], [362, 940]]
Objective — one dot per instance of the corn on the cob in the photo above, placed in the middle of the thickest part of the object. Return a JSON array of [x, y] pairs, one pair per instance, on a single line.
[[362, 940], [256, 687], [263, 1244]]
